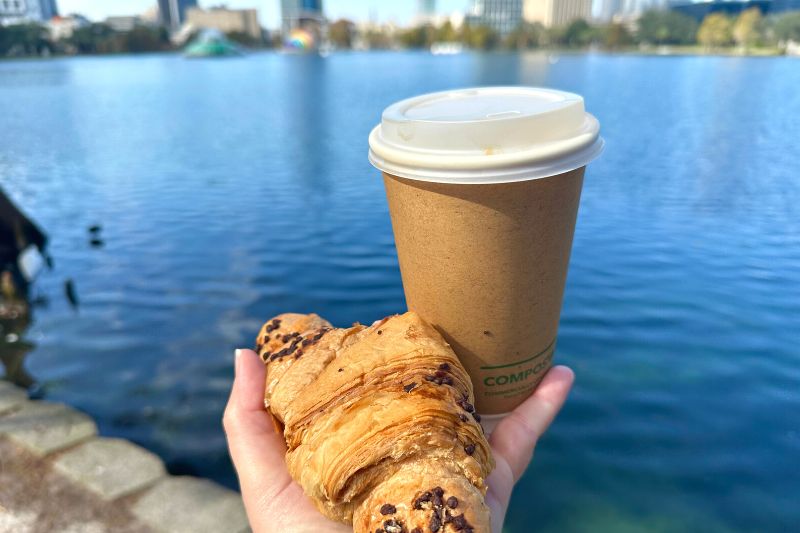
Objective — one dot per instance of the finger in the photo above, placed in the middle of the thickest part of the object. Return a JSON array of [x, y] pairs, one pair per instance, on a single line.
[[249, 381], [515, 436], [256, 449]]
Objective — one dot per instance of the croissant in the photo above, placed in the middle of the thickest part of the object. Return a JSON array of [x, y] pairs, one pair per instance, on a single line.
[[379, 423]]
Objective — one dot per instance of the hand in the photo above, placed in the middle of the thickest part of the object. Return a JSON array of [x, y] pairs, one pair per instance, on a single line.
[[275, 503]]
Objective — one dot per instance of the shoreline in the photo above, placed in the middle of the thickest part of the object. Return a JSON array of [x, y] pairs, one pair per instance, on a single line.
[[656, 51], [86, 482]]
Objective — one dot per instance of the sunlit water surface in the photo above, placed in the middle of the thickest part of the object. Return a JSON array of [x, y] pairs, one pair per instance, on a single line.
[[230, 191]]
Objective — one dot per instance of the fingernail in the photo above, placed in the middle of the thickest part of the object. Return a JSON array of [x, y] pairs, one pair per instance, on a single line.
[[236, 358]]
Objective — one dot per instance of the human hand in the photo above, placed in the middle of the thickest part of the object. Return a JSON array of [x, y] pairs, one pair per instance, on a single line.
[[275, 503]]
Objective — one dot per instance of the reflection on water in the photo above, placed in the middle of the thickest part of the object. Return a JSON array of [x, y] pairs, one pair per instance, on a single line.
[[230, 191]]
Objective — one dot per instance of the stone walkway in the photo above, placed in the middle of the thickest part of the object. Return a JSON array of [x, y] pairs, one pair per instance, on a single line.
[[56, 474]]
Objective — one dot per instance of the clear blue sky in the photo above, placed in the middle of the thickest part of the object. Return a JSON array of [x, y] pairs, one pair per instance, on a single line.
[[269, 11]]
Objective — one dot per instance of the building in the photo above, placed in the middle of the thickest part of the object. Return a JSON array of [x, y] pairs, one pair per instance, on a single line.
[[556, 13], [699, 10], [627, 10], [301, 14], [63, 27], [123, 23], [503, 16], [172, 13], [610, 9], [426, 12], [22, 11], [226, 20]]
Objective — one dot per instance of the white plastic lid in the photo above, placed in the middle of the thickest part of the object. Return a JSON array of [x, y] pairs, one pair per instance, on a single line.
[[485, 135]]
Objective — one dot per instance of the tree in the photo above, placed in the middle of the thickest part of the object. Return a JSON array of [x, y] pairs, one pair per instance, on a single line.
[[715, 31], [749, 27], [418, 37], [479, 37], [143, 39], [341, 33], [24, 39], [616, 35], [378, 40], [666, 27], [526, 36], [91, 39], [578, 34], [446, 33], [787, 27]]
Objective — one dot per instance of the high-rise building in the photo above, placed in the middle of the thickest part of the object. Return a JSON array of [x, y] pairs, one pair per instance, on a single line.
[[172, 13], [20, 11], [503, 16], [556, 13], [426, 12], [226, 20], [300, 14], [609, 9], [637, 7], [732, 8]]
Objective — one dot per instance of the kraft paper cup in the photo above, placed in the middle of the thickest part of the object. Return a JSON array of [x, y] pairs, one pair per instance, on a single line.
[[483, 188]]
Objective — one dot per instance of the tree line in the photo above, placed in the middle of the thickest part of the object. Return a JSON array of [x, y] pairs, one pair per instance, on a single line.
[[97, 38], [750, 29]]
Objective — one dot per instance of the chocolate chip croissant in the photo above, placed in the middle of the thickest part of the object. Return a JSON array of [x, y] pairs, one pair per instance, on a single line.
[[379, 424]]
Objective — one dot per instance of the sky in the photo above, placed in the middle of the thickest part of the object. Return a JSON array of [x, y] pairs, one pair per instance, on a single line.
[[400, 11]]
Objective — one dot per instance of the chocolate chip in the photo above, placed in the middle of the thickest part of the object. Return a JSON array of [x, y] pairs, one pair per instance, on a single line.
[[444, 366], [452, 502], [306, 342], [388, 508], [476, 416], [462, 416], [459, 522], [447, 380], [468, 407], [380, 332], [286, 338], [410, 387], [435, 523], [393, 526], [487, 332], [425, 497], [439, 491], [430, 378], [440, 374], [341, 370], [470, 449], [437, 501]]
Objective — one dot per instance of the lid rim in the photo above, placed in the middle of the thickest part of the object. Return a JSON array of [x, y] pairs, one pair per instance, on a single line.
[[485, 135], [475, 160], [493, 175]]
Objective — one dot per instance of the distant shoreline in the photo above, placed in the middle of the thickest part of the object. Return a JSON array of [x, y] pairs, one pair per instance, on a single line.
[[656, 51]]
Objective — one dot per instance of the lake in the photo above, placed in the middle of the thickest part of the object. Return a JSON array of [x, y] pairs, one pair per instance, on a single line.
[[232, 190]]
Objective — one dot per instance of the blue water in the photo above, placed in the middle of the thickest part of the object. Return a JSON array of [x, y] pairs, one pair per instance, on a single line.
[[230, 191]]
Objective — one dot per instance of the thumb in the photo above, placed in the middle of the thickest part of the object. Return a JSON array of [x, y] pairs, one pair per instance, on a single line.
[[256, 448], [516, 435]]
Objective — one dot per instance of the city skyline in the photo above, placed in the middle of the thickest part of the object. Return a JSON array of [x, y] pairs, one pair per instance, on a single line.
[[402, 12], [269, 10]]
